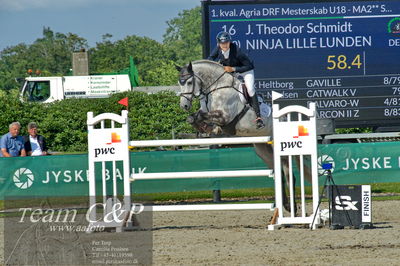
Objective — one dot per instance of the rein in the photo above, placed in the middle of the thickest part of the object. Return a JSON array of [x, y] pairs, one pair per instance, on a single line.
[[203, 92]]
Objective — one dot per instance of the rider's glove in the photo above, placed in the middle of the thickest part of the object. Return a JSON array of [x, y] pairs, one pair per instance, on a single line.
[[229, 69]]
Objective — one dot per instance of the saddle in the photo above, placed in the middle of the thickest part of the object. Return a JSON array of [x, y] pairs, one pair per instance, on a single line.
[[245, 92]]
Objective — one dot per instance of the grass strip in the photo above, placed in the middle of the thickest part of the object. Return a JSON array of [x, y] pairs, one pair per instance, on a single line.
[[381, 191]]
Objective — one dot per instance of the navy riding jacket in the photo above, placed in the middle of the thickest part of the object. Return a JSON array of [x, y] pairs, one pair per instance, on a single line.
[[237, 59]]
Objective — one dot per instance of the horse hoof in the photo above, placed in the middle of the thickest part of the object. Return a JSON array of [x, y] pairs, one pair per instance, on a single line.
[[190, 119]]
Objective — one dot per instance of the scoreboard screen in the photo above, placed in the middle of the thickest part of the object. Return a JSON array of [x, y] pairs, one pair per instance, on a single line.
[[344, 56]]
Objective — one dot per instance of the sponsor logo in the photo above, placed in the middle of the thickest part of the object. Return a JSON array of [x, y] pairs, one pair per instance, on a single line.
[[103, 151], [394, 26], [291, 144], [23, 178], [301, 132], [115, 138], [358, 163], [344, 203], [323, 159]]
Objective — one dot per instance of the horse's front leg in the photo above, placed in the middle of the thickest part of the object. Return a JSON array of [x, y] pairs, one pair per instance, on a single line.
[[201, 123], [213, 117], [216, 117]]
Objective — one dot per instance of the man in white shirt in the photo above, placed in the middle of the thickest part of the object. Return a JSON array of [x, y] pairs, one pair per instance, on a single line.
[[35, 145]]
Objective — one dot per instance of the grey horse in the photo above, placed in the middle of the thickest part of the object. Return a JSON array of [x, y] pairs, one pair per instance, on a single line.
[[221, 108]]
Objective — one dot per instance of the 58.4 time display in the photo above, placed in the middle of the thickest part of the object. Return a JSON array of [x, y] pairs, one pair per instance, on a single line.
[[341, 62]]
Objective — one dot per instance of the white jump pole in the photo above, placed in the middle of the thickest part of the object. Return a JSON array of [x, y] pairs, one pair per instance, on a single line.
[[210, 207], [202, 174], [205, 141]]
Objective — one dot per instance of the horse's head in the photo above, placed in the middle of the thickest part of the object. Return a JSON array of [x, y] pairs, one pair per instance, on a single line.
[[190, 86]]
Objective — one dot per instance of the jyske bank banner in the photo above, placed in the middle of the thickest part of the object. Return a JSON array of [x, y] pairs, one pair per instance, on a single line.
[[66, 175]]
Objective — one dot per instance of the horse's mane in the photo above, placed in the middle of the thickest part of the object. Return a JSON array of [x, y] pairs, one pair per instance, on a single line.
[[206, 61]]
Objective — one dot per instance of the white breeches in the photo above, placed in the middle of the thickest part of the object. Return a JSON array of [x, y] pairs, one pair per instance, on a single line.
[[249, 81]]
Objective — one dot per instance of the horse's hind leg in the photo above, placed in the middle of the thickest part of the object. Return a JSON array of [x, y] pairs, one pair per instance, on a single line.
[[306, 168], [286, 198], [266, 153]]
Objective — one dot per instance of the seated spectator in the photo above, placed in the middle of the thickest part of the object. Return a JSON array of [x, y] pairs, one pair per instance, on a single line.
[[35, 145], [11, 144]]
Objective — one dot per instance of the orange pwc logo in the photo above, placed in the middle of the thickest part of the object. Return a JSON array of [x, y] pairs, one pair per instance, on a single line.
[[115, 138], [302, 132]]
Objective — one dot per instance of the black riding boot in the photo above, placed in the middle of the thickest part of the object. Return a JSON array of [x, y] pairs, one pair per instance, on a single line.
[[255, 105]]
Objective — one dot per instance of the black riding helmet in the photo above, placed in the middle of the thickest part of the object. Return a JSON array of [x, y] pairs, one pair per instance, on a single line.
[[223, 37]]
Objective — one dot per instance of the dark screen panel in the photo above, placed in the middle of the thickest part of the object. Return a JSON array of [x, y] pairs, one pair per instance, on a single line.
[[345, 56]]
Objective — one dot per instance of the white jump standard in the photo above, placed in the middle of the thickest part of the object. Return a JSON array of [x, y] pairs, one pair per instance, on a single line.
[[108, 145], [291, 139]]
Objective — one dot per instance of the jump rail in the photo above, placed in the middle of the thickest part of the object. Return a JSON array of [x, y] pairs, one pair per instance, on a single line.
[[202, 174], [210, 207], [192, 142]]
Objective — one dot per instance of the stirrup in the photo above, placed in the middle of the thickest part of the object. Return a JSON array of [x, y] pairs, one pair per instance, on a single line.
[[260, 123]]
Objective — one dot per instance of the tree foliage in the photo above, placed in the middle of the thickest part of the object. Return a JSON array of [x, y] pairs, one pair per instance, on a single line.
[[63, 123], [150, 58], [183, 36], [51, 54]]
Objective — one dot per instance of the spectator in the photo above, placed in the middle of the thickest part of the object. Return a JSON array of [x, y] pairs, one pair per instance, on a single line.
[[12, 144], [35, 145]]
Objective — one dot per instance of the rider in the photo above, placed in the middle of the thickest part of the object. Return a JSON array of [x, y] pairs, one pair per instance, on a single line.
[[234, 60]]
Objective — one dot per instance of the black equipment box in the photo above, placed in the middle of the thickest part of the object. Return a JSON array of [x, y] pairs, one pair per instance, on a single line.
[[351, 206]]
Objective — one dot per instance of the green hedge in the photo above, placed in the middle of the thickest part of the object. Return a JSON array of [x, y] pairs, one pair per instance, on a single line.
[[63, 123]]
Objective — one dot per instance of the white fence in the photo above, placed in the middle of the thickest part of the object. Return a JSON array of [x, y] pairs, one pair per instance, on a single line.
[[111, 145]]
